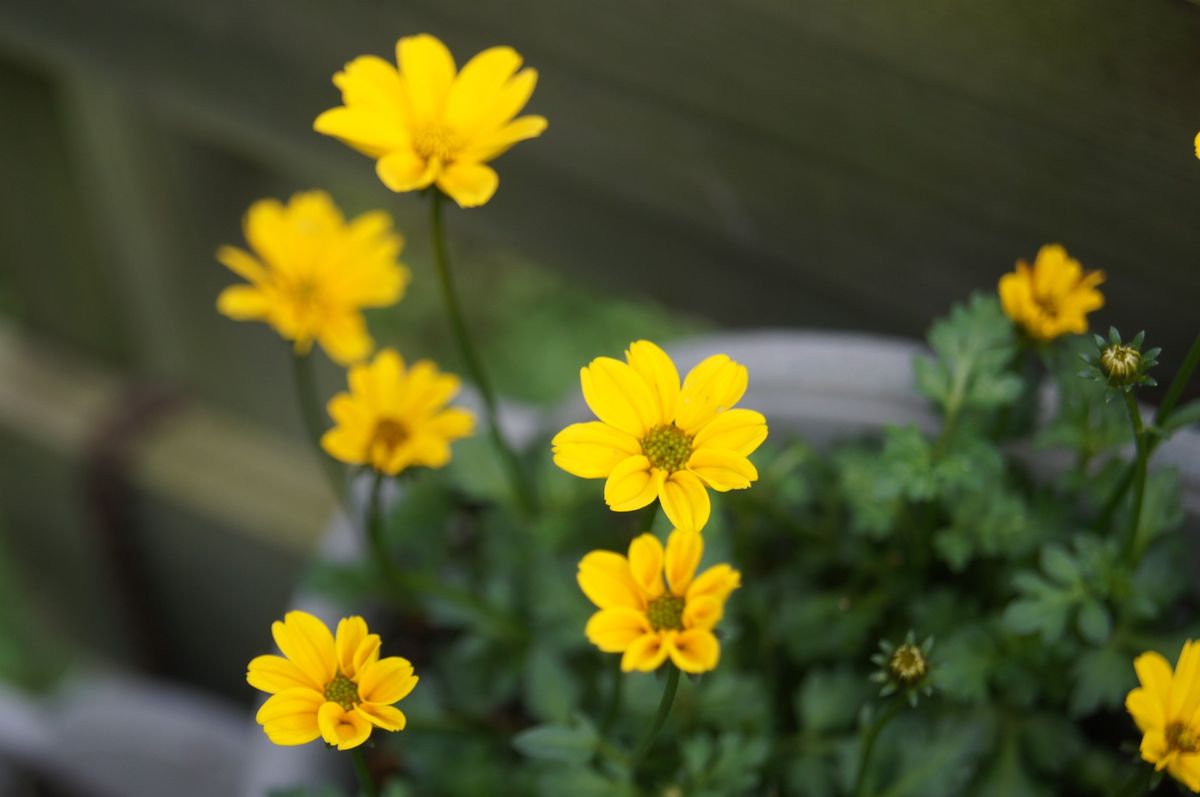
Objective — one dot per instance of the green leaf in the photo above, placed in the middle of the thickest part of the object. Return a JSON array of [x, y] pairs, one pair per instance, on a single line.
[[973, 347], [1102, 679], [1094, 622], [551, 691], [830, 700], [1059, 565], [569, 744], [1185, 415]]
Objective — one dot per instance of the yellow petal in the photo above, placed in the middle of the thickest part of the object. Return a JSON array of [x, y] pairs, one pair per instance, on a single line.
[[591, 450], [479, 86], [1015, 297], [1146, 710], [266, 229], [243, 303], [1185, 685], [342, 729], [703, 612], [717, 582], [403, 170], [347, 445], [619, 396], [468, 184], [614, 630], [712, 387], [365, 130], [646, 653], [367, 653], [452, 423], [738, 430], [351, 632], [369, 83], [389, 718], [685, 501], [658, 372], [488, 146], [386, 680], [632, 484], [242, 263], [307, 642], [275, 674], [290, 717], [646, 564], [428, 70], [1154, 747], [1186, 769], [695, 651], [722, 470], [345, 339], [608, 582], [684, 549], [1154, 674]]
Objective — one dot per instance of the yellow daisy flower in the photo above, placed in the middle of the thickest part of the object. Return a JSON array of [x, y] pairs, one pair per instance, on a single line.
[[395, 417], [1053, 297], [648, 621], [1166, 708], [311, 273], [656, 439], [427, 123], [336, 689]]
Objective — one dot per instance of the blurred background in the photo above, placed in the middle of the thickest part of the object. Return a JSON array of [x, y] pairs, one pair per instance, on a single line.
[[760, 163]]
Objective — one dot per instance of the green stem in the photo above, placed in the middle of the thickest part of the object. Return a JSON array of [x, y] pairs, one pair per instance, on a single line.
[[614, 698], [366, 783], [522, 487], [1139, 475], [664, 709], [373, 524], [868, 743], [305, 385]]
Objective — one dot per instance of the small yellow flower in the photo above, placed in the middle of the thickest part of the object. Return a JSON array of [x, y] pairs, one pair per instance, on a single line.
[[336, 689], [1166, 708], [1053, 297], [427, 123], [396, 417], [1196, 143], [312, 273], [647, 621], [655, 439]]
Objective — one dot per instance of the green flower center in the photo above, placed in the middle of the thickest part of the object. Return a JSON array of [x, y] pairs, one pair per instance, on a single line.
[[667, 447], [1121, 362], [908, 664], [436, 141], [1182, 738], [343, 691], [666, 613]]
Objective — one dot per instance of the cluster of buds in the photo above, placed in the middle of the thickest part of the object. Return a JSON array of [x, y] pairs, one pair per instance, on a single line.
[[1122, 366], [903, 668]]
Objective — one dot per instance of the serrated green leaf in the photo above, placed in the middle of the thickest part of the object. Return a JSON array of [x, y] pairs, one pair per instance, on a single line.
[[569, 744]]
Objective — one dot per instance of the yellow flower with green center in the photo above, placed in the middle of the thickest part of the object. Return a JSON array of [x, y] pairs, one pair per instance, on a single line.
[[426, 123], [337, 689], [1053, 297], [649, 621], [395, 417], [657, 439], [1166, 708], [311, 273]]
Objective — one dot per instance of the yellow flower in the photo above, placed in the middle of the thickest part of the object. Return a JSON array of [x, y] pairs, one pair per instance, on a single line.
[[647, 621], [1166, 708], [396, 417], [335, 689], [657, 440], [1053, 297], [426, 123], [311, 273], [1196, 143]]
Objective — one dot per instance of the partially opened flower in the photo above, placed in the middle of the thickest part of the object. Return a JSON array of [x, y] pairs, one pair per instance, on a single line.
[[395, 416], [426, 123], [311, 273], [657, 440], [337, 689], [648, 620], [1166, 708], [1053, 297]]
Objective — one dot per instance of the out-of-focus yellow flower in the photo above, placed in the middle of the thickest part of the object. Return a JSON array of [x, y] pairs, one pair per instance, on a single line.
[[1196, 143], [648, 621], [396, 417], [1053, 297], [336, 689], [656, 439], [1166, 708], [311, 273], [426, 123]]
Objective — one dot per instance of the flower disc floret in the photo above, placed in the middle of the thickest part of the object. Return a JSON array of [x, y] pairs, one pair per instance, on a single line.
[[667, 447]]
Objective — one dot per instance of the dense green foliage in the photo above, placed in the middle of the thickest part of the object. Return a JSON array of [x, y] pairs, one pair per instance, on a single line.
[[997, 535]]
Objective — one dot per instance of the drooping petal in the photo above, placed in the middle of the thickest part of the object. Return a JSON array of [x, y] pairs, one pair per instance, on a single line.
[[488, 146], [388, 718], [695, 650], [632, 484], [659, 373], [306, 641], [712, 387], [274, 674], [685, 501], [684, 550], [403, 170], [591, 450], [608, 582], [646, 653], [341, 728], [717, 582], [614, 630], [646, 564], [619, 396], [722, 470], [428, 70], [290, 717], [738, 430], [386, 680], [345, 339], [468, 184]]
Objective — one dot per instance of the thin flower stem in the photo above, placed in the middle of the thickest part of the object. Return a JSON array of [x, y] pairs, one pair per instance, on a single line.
[[373, 525], [521, 484], [1139, 476], [664, 709], [614, 699], [366, 783], [305, 385], [868, 743]]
